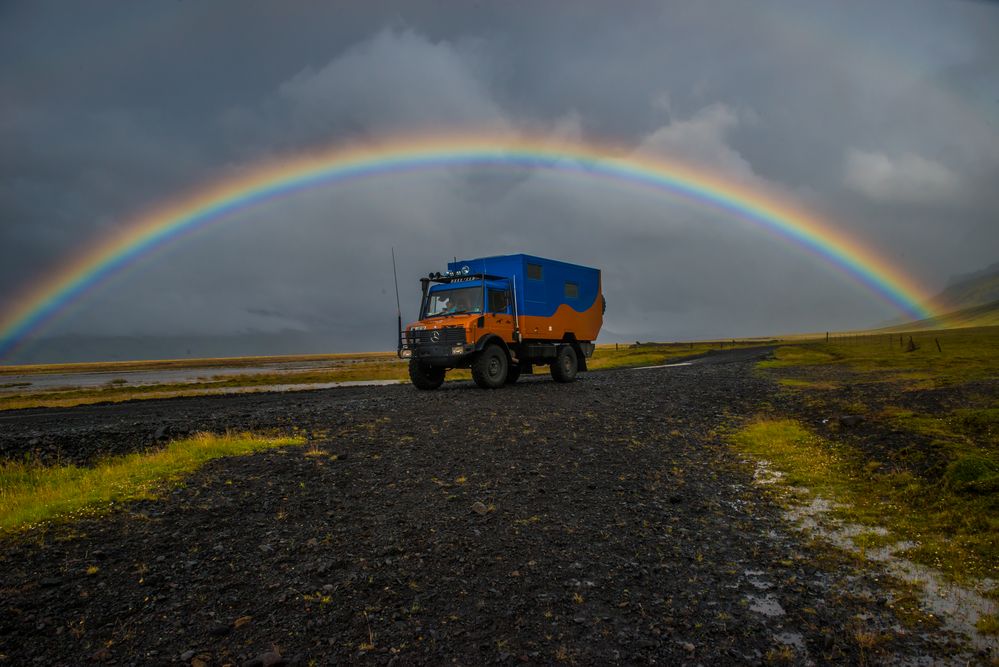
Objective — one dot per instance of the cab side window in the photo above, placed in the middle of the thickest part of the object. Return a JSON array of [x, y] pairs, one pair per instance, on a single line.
[[499, 301]]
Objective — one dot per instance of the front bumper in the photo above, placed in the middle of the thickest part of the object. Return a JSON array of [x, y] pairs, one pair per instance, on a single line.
[[450, 355]]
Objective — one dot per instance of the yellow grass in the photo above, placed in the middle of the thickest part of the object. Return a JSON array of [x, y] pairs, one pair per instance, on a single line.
[[31, 493], [342, 368], [962, 355], [653, 354], [948, 510], [210, 362]]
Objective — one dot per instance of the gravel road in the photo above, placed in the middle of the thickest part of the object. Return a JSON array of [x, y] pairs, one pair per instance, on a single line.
[[603, 521]]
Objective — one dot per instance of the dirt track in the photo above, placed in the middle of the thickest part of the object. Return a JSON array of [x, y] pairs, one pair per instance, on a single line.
[[613, 525]]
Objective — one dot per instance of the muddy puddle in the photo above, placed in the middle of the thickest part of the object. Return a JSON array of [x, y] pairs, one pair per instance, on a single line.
[[957, 607]]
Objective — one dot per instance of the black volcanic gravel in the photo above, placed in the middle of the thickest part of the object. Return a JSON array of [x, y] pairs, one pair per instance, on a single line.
[[598, 522]]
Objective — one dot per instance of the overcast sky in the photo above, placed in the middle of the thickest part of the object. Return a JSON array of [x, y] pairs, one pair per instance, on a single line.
[[882, 117]]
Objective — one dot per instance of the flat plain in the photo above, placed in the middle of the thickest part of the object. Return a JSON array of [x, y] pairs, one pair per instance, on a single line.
[[622, 518]]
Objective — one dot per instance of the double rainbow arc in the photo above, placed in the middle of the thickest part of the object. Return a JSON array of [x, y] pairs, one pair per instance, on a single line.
[[75, 278]]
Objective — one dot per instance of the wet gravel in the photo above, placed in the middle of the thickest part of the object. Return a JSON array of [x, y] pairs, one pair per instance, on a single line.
[[603, 521]]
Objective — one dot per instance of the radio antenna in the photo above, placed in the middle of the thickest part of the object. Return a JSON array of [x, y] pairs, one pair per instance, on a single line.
[[398, 305]]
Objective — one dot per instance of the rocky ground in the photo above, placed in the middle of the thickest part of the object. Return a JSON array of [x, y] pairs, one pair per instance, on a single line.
[[598, 522]]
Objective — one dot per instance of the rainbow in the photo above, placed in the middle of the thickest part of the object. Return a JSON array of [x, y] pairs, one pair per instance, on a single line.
[[81, 274]]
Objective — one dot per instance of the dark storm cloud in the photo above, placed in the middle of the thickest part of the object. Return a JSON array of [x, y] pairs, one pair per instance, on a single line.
[[883, 118]]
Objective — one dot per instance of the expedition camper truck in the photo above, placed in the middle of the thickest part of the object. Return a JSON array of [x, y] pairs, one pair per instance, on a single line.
[[501, 317]]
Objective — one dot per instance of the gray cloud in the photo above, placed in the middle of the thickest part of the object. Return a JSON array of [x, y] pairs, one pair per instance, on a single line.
[[906, 178], [116, 109]]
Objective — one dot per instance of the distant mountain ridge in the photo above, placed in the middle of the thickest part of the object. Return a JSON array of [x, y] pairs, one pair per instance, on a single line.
[[981, 315], [969, 290], [968, 300]]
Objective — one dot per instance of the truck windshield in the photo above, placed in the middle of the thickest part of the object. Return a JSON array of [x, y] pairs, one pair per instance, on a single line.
[[454, 301]]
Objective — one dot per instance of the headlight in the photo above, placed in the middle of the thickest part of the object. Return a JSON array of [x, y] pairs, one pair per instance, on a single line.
[[457, 349], [406, 354]]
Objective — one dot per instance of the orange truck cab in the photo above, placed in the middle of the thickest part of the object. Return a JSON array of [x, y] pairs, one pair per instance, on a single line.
[[501, 317]]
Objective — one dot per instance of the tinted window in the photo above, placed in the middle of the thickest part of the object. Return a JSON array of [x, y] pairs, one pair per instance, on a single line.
[[454, 301], [571, 291], [534, 271], [498, 301]]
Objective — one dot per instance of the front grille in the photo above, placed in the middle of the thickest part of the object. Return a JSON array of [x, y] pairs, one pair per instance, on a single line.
[[448, 335]]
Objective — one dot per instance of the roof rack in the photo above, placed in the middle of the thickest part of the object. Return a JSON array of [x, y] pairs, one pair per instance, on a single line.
[[441, 278]]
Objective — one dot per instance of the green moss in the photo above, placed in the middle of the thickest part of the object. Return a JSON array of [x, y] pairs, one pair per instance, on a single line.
[[988, 624], [954, 524], [654, 354], [799, 355], [973, 473], [872, 540], [796, 383], [981, 423], [941, 490], [964, 355], [31, 493]]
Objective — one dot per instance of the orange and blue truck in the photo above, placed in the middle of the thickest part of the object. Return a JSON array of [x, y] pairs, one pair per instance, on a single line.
[[502, 317]]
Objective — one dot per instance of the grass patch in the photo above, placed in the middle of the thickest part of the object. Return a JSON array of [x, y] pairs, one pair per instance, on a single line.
[[797, 355], [797, 383], [217, 362], [954, 521], [804, 458], [988, 624], [963, 355], [936, 485], [31, 493], [654, 354], [367, 368]]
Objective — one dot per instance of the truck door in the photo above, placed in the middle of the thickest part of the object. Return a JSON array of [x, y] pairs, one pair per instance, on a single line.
[[499, 313]]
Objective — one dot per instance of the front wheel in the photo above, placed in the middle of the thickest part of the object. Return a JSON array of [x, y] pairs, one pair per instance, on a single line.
[[425, 377], [489, 370], [566, 364]]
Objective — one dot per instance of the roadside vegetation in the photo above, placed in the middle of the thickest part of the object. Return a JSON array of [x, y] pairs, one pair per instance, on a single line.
[[31, 493], [210, 362], [382, 367], [899, 432], [340, 368], [655, 354]]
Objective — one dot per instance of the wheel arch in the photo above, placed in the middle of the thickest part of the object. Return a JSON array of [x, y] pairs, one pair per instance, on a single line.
[[489, 339], [570, 339]]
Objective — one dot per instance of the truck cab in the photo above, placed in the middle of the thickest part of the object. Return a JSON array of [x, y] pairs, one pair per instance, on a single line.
[[501, 317]]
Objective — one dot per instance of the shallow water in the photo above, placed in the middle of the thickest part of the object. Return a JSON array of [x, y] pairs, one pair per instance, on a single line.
[[957, 607], [145, 377]]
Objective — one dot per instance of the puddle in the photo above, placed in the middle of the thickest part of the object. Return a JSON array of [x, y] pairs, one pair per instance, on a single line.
[[145, 377], [956, 607], [765, 604], [645, 368], [792, 639]]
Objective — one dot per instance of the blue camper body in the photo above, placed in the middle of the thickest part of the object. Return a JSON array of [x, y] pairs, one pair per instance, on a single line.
[[540, 282]]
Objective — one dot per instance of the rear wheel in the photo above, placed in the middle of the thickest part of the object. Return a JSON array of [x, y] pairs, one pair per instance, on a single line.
[[490, 368], [566, 364], [425, 377]]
